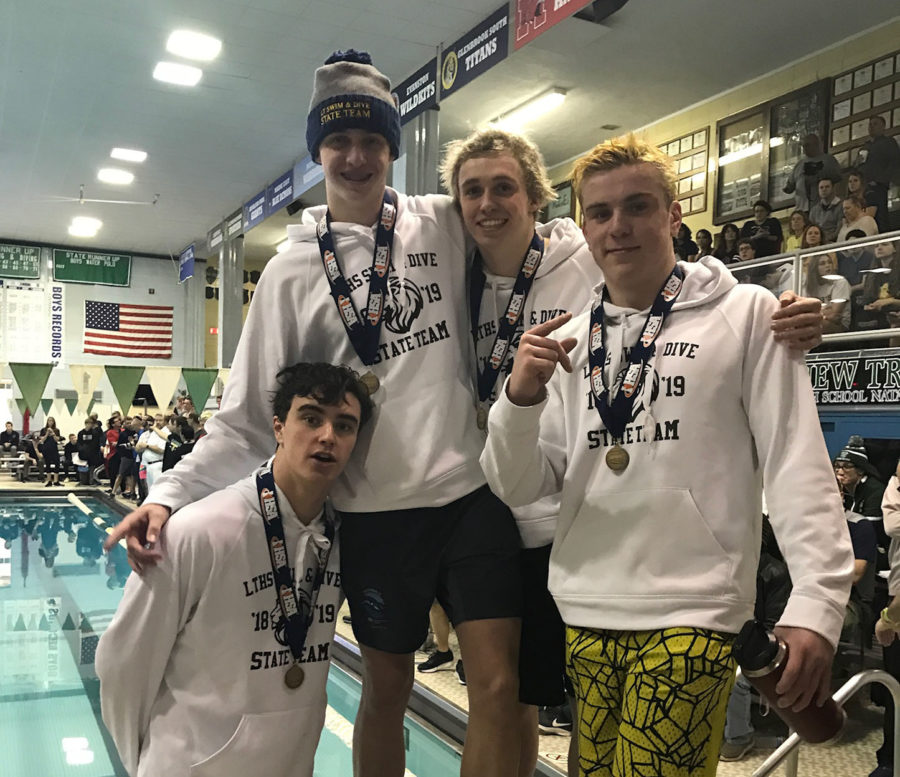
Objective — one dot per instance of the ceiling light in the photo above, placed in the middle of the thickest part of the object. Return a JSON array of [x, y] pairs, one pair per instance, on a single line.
[[173, 73], [84, 226], [128, 154], [832, 277], [193, 45], [530, 110], [776, 141], [114, 175], [283, 246]]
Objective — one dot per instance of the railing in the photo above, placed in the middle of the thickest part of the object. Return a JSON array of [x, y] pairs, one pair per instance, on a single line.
[[789, 753], [799, 260]]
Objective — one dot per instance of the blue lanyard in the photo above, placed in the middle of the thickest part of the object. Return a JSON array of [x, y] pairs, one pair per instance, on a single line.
[[616, 413], [364, 331], [511, 319], [298, 612]]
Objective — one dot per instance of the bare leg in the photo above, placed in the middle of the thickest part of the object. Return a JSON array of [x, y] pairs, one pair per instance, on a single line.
[[490, 650], [378, 746], [528, 730], [440, 625], [116, 483], [573, 740]]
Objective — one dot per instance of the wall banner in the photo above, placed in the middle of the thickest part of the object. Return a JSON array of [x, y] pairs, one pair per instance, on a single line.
[[476, 52], [417, 93], [88, 267], [20, 261], [535, 17], [872, 378]]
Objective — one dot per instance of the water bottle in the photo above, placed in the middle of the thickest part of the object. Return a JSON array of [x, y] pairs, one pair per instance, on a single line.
[[762, 657]]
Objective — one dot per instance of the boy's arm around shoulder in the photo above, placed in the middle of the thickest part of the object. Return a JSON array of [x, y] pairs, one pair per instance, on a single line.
[[133, 652]]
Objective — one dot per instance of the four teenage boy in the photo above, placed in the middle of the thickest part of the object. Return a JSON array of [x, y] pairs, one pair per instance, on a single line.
[[378, 280]]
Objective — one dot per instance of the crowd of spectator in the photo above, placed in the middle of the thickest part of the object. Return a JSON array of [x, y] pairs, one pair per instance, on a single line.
[[129, 451], [859, 287]]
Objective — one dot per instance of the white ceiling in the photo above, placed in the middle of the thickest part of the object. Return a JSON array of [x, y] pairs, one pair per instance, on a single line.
[[75, 80]]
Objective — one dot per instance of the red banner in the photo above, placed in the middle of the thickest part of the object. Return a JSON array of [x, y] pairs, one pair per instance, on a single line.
[[534, 17]]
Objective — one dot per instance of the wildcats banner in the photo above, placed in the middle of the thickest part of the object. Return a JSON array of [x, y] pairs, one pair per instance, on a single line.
[[854, 379], [476, 52], [417, 93], [535, 17]]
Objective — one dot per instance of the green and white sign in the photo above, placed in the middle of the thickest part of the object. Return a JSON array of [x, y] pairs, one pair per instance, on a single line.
[[20, 261], [87, 267]]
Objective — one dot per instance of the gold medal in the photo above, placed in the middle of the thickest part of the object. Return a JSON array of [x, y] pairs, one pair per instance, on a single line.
[[371, 382], [617, 458], [294, 676], [481, 418]]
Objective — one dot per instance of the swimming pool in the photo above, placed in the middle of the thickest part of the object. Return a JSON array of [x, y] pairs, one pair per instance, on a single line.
[[58, 592]]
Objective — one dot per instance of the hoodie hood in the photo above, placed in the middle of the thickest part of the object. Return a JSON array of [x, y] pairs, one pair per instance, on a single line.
[[564, 239], [704, 281]]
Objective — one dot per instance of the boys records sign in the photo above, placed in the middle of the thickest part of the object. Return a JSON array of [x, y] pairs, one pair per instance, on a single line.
[[476, 52], [417, 93]]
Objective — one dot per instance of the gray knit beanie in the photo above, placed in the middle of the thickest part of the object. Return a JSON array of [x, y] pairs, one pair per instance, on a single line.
[[350, 93]]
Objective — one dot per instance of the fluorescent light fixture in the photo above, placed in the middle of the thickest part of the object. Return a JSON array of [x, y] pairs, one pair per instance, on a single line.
[[838, 300], [114, 175], [128, 154], [84, 226], [173, 73], [832, 277], [530, 110], [193, 45], [776, 141], [878, 270], [283, 246]]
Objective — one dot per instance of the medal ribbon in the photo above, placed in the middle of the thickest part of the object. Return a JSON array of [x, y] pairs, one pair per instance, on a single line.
[[297, 619], [511, 319], [364, 331], [617, 412]]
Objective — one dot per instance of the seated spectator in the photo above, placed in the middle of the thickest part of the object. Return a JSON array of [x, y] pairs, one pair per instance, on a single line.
[[879, 161], [814, 167], [828, 212], [856, 218], [777, 278], [853, 263], [812, 236], [823, 282], [888, 625], [796, 227], [726, 249], [862, 595], [746, 251], [29, 456], [860, 487], [704, 243], [763, 230], [9, 438], [685, 248], [69, 452], [881, 290], [856, 185]]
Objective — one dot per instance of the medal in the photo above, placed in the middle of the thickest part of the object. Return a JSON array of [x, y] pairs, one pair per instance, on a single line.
[[293, 677], [371, 382], [481, 418], [617, 458]]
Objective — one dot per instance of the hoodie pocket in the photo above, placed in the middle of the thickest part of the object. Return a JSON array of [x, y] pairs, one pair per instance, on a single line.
[[647, 543], [284, 743]]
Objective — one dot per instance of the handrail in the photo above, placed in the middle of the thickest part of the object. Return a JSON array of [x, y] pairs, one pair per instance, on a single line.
[[789, 752]]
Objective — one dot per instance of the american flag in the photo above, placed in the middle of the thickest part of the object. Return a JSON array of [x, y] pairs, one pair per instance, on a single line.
[[137, 331]]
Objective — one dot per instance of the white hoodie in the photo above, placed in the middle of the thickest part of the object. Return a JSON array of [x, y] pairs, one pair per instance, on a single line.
[[563, 283], [191, 672], [421, 448], [674, 539]]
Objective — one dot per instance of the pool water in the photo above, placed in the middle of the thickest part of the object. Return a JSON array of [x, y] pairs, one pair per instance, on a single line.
[[58, 592]]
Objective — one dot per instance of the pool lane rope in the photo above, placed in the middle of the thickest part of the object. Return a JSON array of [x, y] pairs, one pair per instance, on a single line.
[[95, 519]]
